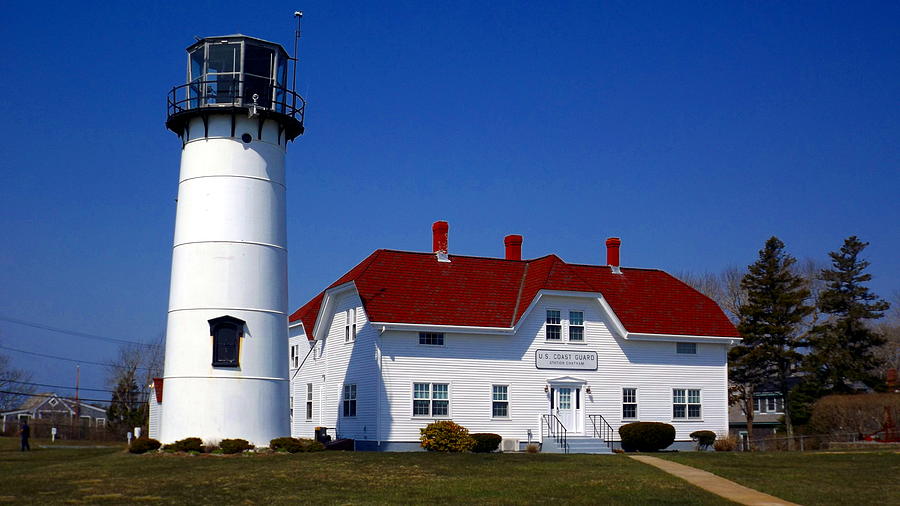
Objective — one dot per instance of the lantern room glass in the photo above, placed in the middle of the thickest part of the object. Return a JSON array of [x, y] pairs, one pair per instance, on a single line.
[[231, 71]]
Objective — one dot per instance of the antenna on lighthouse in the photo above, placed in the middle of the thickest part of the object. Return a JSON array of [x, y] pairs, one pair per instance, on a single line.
[[299, 16]]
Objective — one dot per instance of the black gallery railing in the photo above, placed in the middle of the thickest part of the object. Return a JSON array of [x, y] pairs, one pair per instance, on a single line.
[[233, 92]]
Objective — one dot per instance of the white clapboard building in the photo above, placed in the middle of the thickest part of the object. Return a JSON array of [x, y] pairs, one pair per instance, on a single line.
[[534, 350]]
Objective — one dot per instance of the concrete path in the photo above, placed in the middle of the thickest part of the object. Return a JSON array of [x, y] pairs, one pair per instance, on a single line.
[[712, 483]]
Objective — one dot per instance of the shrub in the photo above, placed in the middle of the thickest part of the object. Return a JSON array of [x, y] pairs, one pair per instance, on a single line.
[[190, 444], [725, 444], [294, 445], [532, 448], [235, 445], [855, 414], [646, 436], [143, 445], [486, 442], [704, 438], [446, 436]]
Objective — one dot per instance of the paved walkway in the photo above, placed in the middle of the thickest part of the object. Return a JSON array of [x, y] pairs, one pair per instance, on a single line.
[[712, 483]]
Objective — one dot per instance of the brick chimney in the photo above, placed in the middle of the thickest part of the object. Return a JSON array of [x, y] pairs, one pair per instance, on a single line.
[[513, 245], [612, 253], [439, 240]]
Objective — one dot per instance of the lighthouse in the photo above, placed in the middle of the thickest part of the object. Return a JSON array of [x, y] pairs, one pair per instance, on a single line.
[[226, 375]]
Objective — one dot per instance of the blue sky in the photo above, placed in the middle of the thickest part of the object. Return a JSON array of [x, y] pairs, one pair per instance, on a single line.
[[693, 131]]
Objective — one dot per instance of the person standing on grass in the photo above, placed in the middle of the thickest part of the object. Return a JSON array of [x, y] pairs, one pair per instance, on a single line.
[[25, 432]]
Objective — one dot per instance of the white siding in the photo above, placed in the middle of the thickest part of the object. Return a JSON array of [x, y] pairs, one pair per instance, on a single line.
[[472, 363], [153, 423], [341, 363]]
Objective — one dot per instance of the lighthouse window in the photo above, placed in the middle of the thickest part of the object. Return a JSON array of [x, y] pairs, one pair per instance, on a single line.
[[226, 332], [258, 61], [223, 58]]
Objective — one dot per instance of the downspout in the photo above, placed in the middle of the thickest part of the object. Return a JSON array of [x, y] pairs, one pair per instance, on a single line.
[[379, 389]]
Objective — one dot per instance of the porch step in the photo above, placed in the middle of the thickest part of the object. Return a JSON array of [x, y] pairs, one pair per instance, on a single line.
[[577, 444]]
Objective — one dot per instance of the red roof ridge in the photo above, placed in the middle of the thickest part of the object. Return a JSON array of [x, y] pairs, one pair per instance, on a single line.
[[519, 295], [623, 268]]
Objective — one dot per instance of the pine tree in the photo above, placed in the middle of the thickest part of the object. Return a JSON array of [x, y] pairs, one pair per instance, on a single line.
[[126, 409], [842, 348], [770, 321]]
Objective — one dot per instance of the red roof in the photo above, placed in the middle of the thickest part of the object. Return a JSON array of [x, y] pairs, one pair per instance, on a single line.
[[406, 287]]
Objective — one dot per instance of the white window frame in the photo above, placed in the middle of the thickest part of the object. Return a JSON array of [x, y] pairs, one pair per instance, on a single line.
[[686, 348], [686, 402], [762, 404], [434, 336], [571, 326], [495, 400], [634, 401], [558, 325], [295, 356], [349, 400], [431, 399], [350, 326], [309, 401]]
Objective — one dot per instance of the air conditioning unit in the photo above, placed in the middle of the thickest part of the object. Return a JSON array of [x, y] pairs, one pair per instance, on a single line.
[[509, 445]]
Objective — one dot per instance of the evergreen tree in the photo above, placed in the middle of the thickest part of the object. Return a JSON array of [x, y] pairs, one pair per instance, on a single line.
[[126, 408], [770, 321], [843, 347]]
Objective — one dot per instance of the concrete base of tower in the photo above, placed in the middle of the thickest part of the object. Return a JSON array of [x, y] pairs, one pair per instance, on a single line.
[[241, 407]]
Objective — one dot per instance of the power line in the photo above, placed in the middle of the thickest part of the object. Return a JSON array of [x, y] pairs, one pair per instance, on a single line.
[[75, 333], [55, 386], [59, 396], [68, 359]]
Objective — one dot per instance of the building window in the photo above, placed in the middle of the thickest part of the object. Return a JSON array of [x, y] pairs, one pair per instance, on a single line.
[[292, 408], [350, 400], [576, 326], [629, 403], [350, 326], [554, 328], [686, 348], [226, 332], [686, 403], [768, 404], [101, 422], [500, 399], [431, 399], [309, 401], [431, 338], [295, 356]]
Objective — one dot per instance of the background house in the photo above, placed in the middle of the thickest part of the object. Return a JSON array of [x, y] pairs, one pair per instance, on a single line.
[[47, 410]]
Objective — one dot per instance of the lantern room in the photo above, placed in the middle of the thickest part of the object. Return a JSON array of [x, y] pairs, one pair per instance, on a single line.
[[236, 72]]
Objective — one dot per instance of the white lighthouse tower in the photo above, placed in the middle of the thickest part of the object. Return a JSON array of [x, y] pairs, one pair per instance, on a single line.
[[226, 375]]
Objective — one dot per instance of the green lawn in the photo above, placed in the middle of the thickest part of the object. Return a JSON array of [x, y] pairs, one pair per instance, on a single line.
[[807, 477], [112, 476]]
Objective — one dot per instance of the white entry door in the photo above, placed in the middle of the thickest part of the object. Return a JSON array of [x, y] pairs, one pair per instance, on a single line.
[[565, 407]]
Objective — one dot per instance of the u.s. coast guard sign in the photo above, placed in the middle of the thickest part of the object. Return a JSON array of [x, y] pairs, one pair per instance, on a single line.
[[565, 359]]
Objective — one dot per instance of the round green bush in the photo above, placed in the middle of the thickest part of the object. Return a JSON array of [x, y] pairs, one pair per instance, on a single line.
[[190, 444], [143, 445], [235, 445], [704, 438], [446, 436], [294, 445], [486, 442], [646, 436]]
